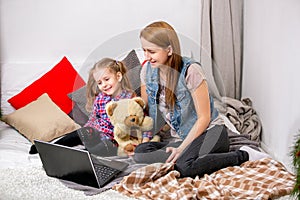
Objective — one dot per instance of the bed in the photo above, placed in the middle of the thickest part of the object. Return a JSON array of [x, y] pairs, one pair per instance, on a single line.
[[34, 110]]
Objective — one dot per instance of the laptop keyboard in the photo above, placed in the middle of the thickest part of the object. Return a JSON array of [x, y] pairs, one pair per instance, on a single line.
[[104, 173]]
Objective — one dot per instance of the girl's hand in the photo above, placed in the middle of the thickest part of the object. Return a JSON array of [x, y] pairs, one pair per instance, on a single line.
[[145, 139], [175, 153]]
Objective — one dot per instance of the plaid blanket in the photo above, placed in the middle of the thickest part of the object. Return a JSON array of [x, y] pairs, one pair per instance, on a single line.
[[261, 179]]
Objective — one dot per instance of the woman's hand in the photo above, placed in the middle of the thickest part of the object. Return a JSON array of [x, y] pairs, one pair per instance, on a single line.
[[175, 153], [202, 106]]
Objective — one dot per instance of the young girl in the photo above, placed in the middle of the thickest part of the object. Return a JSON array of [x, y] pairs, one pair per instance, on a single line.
[[176, 92], [107, 82]]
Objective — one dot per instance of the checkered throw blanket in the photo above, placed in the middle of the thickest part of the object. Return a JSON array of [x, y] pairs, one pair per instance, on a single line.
[[261, 179]]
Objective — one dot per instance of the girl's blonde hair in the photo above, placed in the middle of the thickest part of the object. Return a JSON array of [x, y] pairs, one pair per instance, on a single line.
[[163, 35], [92, 86]]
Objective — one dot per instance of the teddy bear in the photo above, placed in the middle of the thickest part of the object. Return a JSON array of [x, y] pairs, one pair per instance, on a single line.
[[129, 121]]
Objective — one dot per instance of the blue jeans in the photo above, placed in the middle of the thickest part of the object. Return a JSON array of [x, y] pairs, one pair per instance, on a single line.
[[206, 154]]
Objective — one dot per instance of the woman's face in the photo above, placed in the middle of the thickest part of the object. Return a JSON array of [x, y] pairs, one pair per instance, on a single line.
[[156, 55], [108, 82]]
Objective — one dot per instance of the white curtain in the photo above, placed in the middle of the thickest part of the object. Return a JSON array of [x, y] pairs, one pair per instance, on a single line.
[[221, 45]]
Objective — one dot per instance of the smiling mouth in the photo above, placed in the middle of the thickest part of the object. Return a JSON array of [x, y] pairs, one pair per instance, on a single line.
[[107, 89]]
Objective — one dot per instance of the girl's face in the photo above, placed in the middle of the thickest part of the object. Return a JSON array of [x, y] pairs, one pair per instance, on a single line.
[[156, 55], [108, 82]]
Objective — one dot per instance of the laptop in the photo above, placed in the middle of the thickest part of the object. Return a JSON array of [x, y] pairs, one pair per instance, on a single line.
[[77, 165]]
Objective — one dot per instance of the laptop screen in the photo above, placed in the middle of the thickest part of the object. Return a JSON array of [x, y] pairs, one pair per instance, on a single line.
[[67, 163]]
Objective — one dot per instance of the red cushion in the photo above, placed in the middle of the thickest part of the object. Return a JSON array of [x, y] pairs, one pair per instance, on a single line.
[[58, 82]]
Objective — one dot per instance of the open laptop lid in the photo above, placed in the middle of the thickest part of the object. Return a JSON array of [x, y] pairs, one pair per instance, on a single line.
[[73, 164], [67, 163]]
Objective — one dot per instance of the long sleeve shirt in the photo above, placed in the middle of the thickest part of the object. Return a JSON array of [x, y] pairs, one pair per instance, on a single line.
[[99, 119]]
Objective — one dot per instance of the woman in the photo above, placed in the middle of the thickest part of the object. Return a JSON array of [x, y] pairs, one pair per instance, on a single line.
[[176, 91]]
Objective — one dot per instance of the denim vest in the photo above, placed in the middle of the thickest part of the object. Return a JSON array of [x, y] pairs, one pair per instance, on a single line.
[[184, 115]]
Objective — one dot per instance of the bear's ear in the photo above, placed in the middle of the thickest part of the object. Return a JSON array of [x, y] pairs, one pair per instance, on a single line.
[[110, 107], [140, 101]]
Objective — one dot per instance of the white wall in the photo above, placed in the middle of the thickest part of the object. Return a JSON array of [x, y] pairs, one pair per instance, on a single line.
[[35, 34], [35, 30], [272, 69]]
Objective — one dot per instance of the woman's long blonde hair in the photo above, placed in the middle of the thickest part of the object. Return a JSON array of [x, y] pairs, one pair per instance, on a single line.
[[92, 86], [163, 35]]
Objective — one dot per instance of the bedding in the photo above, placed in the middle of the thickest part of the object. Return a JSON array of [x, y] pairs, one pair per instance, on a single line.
[[41, 119], [243, 116], [261, 179], [14, 149], [22, 171]]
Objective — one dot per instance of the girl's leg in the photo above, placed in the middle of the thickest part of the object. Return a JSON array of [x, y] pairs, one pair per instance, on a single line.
[[152, 152], [70, 140]]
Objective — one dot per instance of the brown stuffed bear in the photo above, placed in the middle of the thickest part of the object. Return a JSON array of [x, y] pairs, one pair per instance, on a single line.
[[129, 121]]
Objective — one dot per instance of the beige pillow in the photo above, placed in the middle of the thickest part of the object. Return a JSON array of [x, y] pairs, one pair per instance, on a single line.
[[41, 119]]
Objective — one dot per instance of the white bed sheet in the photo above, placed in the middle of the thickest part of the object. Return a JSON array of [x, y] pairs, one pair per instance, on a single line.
[[14, 149]]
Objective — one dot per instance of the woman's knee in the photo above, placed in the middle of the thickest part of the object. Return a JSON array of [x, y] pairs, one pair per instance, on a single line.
[[222, 140], [150, 152], [150, 157], [149, 147], [140, 151]]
